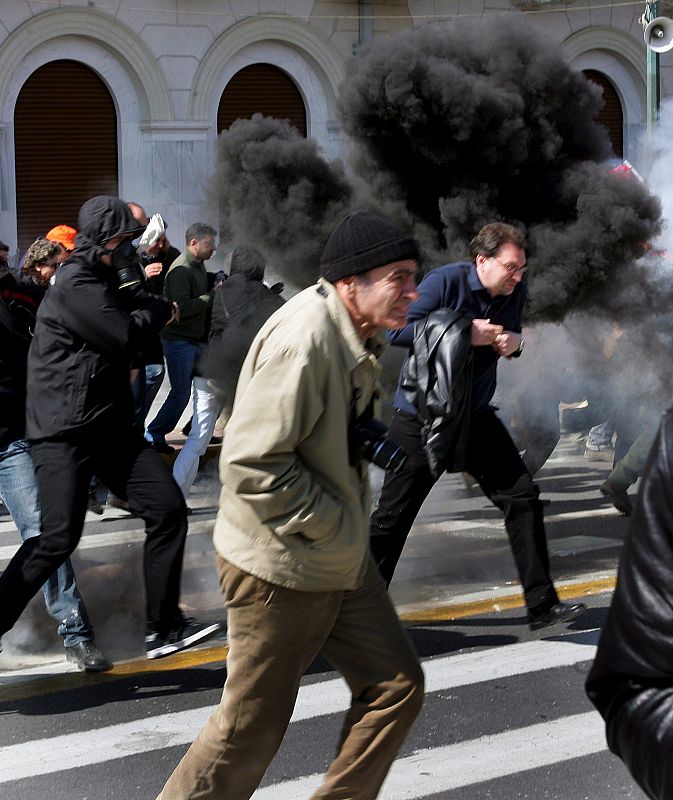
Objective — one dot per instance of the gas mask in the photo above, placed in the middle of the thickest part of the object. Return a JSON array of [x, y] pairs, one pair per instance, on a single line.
[[125, 263]]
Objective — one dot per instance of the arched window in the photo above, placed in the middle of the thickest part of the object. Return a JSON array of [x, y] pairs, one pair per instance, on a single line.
[[261, 89], [65, 134], [611, 116]]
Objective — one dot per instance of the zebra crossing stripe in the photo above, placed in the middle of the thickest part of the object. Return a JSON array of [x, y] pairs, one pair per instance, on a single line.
[[440, 769], [80, 749]]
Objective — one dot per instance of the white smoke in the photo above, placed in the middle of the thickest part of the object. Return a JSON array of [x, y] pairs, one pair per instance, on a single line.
[[659, 171]]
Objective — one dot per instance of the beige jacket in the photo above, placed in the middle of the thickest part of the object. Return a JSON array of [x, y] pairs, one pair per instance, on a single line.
[[292, 510]]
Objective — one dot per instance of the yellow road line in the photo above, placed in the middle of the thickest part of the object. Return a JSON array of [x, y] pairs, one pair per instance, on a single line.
[[79, 680], [459, 610], [209, 655]]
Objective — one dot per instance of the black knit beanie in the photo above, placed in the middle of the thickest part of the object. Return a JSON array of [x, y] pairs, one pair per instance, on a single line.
[[361, 242]]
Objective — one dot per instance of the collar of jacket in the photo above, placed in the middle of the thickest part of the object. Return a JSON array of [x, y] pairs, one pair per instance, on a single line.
[[473, 279], [192, 261], [355, 351]]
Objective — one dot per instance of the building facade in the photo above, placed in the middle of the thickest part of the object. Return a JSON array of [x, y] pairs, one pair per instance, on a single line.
[[128, 97]]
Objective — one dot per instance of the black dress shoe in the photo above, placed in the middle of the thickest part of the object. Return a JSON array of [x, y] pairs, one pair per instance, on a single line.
[[92, 503], [87, 657], [561, 612], [619, 498], [164, 448]]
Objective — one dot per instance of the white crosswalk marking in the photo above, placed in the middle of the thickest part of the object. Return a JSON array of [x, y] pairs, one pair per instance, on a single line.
[[443, 768], [327, 697], [499, 722]]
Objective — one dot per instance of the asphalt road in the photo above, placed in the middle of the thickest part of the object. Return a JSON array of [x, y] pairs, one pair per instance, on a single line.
[[505, 714]]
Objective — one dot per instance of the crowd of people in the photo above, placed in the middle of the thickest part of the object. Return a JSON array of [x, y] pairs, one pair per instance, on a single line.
[[87, 325]]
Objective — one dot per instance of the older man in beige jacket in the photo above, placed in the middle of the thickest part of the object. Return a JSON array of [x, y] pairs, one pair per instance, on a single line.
[[293, 526]]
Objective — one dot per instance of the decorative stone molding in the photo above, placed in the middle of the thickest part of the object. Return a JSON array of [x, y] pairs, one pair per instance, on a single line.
[[315, 48], [107, 32], [186, 130], [532, 5], [621, 46]]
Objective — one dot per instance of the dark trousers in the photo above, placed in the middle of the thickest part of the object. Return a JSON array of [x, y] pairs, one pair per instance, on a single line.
[[130, 469], [493, 460]]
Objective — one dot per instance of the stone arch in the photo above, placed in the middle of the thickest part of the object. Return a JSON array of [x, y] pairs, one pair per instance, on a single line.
[[308, 57], [120, 58], [87, 25], [621, 58]]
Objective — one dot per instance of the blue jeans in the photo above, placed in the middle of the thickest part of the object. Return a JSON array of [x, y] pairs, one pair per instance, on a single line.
[[181, 357], [145, 389], [18, 490]]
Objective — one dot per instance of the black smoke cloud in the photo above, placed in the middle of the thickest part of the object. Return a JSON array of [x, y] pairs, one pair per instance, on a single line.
[[487, 122], [450, 127], [277, 194]]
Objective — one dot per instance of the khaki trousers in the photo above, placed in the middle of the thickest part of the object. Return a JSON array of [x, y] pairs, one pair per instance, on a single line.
[[274, 635]]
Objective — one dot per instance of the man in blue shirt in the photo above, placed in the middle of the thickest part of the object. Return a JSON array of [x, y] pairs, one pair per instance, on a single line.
[[491, 292]]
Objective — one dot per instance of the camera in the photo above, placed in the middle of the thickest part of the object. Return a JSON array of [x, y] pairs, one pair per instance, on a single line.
[[369, 440]]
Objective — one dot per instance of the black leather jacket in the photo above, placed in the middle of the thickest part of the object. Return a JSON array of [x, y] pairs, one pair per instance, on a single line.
[[437, 380], [631, 681]]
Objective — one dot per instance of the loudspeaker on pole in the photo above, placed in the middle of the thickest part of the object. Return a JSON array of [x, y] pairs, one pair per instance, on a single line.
[[658, 34]]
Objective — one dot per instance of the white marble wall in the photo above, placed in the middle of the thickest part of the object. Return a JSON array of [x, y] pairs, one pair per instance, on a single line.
[[166, 63]]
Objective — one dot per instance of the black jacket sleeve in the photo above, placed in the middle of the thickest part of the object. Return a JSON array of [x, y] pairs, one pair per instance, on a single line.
[[94, 312], [631, 681]]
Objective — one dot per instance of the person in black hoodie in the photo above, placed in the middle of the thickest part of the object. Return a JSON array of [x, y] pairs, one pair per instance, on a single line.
[[80, 421], [241, 305], [20, 296]]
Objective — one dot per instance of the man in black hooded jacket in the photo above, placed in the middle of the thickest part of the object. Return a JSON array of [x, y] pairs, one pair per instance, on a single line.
[[80, 422]]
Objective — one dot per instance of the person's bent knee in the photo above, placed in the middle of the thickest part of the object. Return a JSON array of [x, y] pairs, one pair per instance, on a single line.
[[167, 508], [411, 688]]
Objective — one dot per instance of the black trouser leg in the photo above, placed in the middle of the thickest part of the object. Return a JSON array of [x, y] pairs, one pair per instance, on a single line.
[[63, 474], [402, 496], [133, 470], [492, 458]]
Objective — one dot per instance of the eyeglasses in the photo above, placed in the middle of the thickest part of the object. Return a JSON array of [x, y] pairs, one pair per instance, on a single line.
[[512, 269]]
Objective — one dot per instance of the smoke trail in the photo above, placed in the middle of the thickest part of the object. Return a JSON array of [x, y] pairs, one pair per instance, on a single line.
[[659, 156], [279, 195], [470, 123]]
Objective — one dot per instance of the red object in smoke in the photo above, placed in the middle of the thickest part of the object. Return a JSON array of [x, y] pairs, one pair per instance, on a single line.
[[623, 169], [626, 170]]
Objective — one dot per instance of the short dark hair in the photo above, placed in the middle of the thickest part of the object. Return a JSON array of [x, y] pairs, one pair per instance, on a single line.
[[4, 246], [199, 231], [493, 236]]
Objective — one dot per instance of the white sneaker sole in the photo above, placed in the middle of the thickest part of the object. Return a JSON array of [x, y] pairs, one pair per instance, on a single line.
[[189, 641]]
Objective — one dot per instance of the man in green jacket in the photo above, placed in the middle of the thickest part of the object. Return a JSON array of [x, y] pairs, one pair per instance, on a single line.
[[292, 531], [183, 340]]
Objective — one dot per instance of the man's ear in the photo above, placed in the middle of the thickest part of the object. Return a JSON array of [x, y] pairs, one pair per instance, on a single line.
[[348, 283]]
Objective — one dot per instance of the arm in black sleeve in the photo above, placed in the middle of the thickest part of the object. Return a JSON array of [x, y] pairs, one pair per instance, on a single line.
[[94, 313], [432, 291]]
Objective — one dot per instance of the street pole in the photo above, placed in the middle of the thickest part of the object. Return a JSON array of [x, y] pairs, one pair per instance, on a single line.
[[653, 83]]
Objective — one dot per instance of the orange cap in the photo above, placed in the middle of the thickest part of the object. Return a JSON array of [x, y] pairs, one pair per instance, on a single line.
[[64, 235]]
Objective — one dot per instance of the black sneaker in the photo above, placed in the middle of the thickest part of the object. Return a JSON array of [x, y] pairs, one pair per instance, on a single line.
[[87, 657], [186, 633], [561, 612], [618, 497]]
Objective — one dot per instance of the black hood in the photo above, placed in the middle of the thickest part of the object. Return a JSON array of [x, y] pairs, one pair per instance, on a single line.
[[248, 262], [101, 219]]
